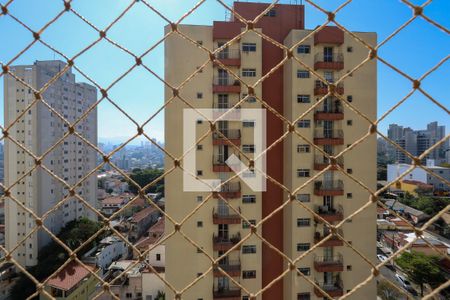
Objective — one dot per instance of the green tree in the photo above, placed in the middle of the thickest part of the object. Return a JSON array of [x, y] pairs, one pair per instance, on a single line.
[[144, 177], [160, 296], [421, 269], [387, 292]]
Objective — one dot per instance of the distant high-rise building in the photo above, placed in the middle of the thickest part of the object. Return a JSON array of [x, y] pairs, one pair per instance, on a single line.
[[38, 130], [417, 142], [291, 90]]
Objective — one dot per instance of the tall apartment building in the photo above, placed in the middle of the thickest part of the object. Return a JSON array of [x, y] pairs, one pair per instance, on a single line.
[[291, 90], [417, 142], [38, 130]]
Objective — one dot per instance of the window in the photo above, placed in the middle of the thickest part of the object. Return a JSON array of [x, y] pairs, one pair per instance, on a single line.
[[271, 13], [249, 72], [349, 195], [199, 147], [349, 98], [303, 99], [200, 42], [246, 225], [249, 47], [199, 173], [350, 171], [303, 148], [199, 121], [199, 95], [249, 99], [249, 274], [303, 222], [303, 246], [302, 74], [248, 123], [129, 295], [248, 199], [303, 197], [304, 124], [304, 271], [349, 267], [199, 198], [158, 257], [304, 49], [199, 224], [349, 49], [248, 148], [248, 249], [302, 172], [303, 296]]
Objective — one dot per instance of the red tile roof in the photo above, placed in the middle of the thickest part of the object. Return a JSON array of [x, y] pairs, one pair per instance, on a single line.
[[140, 215], [153, 235], [116, 199], [70, 276]]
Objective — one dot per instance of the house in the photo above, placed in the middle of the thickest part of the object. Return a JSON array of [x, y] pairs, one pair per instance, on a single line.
[[112, 204], [74, 281], [414, 215], [151, 283], [127, 286], [396, 240], [110, 249], [141, 221], [151, 240]]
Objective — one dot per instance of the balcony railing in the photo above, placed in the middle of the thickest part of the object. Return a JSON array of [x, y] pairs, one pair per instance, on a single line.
[[233, 136], [226, 217], [329, 263], [226, 84], [329, 188], [328, 137], [228, 293], [321, 88], [232, 268], [229, 54], [331, 242], [321, 162], [220, 165], [334, 61], [330, 214], [230, 190], [333, 288], [330, 112], [225, 243]]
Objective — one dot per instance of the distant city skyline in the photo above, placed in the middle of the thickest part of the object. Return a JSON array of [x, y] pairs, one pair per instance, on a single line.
[[141, 94]]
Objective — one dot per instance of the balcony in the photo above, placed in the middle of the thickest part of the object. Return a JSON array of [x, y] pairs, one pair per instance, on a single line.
[[329, 263], [233, 136], [329, 188], [321, 162], [328, 137], [226, 85], [331, 242], [330, 111], [230, 190], [226, 217], [229, 111], [333, 288], [330, 214], [220, 165], [334, 61], [225, 243], [232, 268], [229, 57], [229, 293], [321, 88]]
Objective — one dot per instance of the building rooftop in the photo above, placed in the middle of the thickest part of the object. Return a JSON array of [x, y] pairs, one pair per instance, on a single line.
[[397, 206], [139, 216], [153, 235], [70, 276], [419, 184], [116, 199]]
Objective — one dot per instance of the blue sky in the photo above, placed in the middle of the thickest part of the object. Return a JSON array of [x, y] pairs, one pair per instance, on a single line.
[[414, 50]]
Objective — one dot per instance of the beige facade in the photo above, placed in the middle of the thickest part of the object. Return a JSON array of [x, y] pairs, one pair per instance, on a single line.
[[332, 127], [38, 130]]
